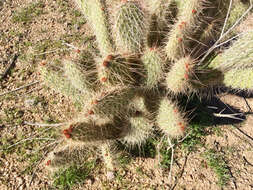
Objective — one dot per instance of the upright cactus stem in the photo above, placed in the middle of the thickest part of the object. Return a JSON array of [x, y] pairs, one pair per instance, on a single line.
[[148, 60], [170, 120], [178, 79], [78, 77], [238, 56], [140, 129], [95, 12], [130, 27], [154, 66], [239, 79], [179, 38]]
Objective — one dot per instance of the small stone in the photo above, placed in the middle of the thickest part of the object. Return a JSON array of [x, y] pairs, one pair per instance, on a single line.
[[110, 176], [30, 102]]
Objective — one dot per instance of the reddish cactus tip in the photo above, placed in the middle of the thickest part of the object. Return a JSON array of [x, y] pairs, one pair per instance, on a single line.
[[187, 66], [90, 112], [175, 110], [103, 79], [194, 11], [180, 39], [70, 129], [105, 63], [48, 162], [109, 57], [182, 24], [78, 50], [43, 63], [94, 102], [65, 131], [186, 76], [182, 127], [67, 135]]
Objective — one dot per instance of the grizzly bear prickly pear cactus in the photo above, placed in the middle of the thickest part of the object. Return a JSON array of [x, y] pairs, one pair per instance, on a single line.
[[145, 48]]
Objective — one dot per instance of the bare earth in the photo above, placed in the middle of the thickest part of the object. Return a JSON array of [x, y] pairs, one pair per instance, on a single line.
[[41, 38]]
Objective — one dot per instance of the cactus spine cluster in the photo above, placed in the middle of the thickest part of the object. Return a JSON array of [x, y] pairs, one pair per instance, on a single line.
[[131, 87]]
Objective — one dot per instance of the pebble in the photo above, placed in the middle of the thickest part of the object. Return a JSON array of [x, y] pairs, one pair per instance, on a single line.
[[110, 175], [30, 102]]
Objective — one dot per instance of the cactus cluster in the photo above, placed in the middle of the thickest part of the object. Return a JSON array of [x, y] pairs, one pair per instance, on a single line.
[[149, 56]]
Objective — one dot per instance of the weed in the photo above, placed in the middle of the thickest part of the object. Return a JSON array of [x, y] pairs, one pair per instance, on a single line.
[[66, 179], [124, 159], [139, 170], [194, 138], [217, 163], [165, 155], [27, 14]]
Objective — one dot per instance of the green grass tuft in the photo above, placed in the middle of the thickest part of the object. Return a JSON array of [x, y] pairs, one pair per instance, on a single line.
[[66, 179], [27, 14], [217, 163]]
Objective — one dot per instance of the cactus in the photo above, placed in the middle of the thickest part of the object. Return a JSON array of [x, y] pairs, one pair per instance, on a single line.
[[132, 89]]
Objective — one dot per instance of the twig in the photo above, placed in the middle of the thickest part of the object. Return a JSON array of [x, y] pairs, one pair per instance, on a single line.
[[250, 110], [24, 140], [181, 173], [159, 148], [44, 124], [34, 171], [9, 67], [247, 161], [231, 116], [17, 89], [171, 159], [226, 20], [241, 131], [52, 51], [38, 163], [216, 44]]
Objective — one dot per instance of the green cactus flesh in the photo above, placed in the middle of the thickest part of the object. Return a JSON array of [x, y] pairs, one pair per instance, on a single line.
[[130, 90], [130, 26], [170, 120], [153, 64], [140, 130], [238, 56]]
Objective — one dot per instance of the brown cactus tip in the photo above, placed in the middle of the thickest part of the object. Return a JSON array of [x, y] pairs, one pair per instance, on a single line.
[[77, 50], [180, 39]]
